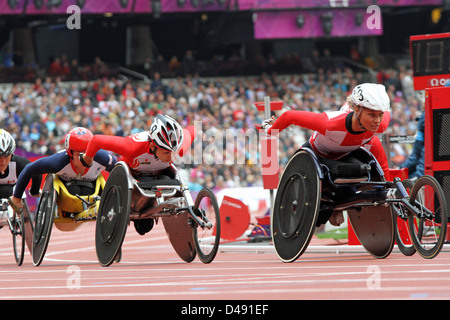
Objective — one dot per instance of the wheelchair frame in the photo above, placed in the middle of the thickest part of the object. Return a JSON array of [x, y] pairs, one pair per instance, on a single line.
[[368, 203], [73, 210], [170, 202], [66, 211], [17, 223]]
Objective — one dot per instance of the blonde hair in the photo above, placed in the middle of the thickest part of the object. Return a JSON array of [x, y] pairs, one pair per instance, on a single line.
[[350, 103]]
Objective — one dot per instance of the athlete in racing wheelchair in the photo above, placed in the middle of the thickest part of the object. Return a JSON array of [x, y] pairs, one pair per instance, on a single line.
[[335, 171], [11, 166], [145, 186], [302, 194], [71, 192]]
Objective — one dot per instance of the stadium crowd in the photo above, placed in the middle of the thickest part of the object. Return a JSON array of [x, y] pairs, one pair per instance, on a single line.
[[40, 112]]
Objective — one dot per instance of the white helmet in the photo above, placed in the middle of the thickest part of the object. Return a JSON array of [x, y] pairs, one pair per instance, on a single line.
[[166, 133], [7, 143], [372, 96]]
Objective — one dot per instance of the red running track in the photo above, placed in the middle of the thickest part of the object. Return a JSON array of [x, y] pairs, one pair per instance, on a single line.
[[150, 269]]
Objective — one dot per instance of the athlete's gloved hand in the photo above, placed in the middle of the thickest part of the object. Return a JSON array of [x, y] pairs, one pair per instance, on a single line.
[[16, 204], [37, 195], [267, 124]]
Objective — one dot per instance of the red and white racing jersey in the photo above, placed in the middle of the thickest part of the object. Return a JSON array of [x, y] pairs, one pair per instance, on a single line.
[[333, 137], [135, 149]]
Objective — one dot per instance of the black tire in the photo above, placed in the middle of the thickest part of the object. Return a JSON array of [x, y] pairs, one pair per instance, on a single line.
[[296, 207], [406, 249], [113, 216], [206, 241], [18, 235], [428, 232], [45, 214]]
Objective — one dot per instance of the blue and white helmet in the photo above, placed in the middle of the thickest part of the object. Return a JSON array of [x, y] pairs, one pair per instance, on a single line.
[[166, 133], [7, 143]]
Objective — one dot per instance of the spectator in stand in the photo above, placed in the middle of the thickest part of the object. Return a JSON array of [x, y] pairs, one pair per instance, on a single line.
[[55, 67], [156, 84], [174, 66]]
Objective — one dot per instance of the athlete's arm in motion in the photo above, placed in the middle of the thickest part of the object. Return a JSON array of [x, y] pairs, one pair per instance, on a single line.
[[51, 164]]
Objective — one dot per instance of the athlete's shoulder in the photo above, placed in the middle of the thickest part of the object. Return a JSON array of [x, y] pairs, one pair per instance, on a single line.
[[140, 137], [56, 160], [337, 114]]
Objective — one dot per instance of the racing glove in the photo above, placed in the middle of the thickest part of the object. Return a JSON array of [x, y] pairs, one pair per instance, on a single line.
[[267, 124]]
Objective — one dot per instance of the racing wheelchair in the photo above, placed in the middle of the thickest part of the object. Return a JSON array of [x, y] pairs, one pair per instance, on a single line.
[[193, 228], [57, 206], [18, 223], [311, 189]]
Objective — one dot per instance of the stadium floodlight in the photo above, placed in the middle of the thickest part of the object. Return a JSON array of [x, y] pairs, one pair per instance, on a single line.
[[38, 4], [359, 19], [12, 4], [156, 8], [300, 21], [54, 3], [123, 3], [81, 3], [327, 22]]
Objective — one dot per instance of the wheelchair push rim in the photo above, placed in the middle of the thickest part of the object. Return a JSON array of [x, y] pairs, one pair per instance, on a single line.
[[113, 216], [44, 221], [296, 207], [207, 238]]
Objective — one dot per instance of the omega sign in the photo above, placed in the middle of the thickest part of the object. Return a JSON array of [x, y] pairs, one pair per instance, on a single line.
[[232, 204], [438, 82]]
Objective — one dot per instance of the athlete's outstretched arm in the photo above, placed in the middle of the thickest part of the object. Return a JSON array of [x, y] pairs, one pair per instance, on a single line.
[[304, 119], [51, 164]]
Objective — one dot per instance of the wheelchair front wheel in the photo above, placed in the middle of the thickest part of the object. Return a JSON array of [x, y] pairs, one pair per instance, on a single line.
[[428, 228], [206, 239], [18, 235]]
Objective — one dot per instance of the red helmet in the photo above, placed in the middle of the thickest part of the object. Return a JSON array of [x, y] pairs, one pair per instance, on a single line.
[[77, 139]]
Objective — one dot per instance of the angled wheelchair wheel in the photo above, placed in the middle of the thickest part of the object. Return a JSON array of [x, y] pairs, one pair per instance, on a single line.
[[113, 216], [402, 234], [206, 240], [296, 206], [18, 234], [45, 214], [428, 227]]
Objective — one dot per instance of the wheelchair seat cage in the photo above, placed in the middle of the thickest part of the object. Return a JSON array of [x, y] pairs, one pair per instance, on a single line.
[[57, 206], [312, 189], [322, 187], [127, 198]]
